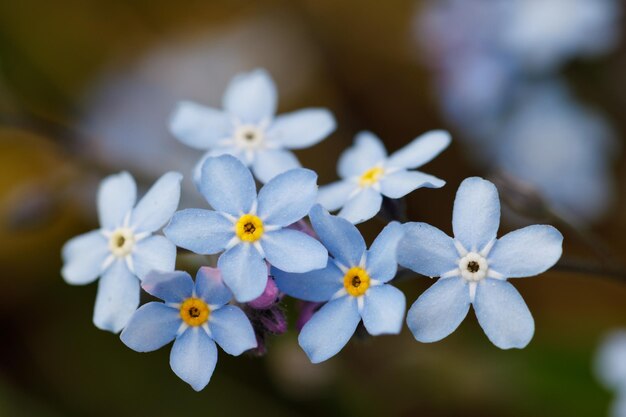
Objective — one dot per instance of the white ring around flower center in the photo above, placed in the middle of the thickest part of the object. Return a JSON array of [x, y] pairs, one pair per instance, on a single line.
[[249, 136], [122, 241], [473, 267]]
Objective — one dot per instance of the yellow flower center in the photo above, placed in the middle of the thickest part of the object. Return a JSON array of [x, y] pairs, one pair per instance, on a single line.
[[121, 242], [194, 311], [371, 176], [356, 281], [249, 228]]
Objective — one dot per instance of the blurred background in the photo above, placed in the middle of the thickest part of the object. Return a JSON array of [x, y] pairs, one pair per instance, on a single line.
[[532, 90]]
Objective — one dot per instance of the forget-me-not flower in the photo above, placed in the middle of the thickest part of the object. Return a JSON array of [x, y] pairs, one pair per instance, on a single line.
[[124, 249], [250, 229], [474, 267], [367, 173], [610, 368], [354, 285], [195, 316], [248, 128]]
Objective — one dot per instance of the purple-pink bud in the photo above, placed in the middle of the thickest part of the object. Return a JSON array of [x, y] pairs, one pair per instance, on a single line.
[[270, 296]]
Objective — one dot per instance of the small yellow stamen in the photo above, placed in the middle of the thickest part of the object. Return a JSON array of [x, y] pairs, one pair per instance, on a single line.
[[371, 176], [249, 228], [356, 281], [194, 311], [121, 242]]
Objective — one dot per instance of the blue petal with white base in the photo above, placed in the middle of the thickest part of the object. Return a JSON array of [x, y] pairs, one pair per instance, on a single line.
[[202, 231], [117, 298], [232, 330], [383, 310], [341, 238], [193, 357]]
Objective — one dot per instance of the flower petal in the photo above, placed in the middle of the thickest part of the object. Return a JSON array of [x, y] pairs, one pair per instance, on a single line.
[[383, 310], [439, 310], [401, 183], [302, 128], [173, 287], [269, 163], [158, 205], [476, 214], [330, 329], [363, 206], [288, 197], [227, 185], [232, 330], [251, 96], [198, 126], [610, 363], [83, 258], [427, 250], [294, 251], [152, 326], [334, 196], [117, 298], [341, 238], [503, 314], [193, 357], [367, 151], [244, 271], [154, 253], [317, 286], [116, 198], [421, 150], [526, 252], [211, 287], [201, 231], [382, 260]]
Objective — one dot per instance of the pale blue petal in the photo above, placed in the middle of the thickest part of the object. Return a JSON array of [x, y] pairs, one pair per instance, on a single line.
[[154, 253], [116, 198], [341, 238], [317, 286], [403, 182], [227, 185], [201, 231], [198, 126], [363, 206], [334, 196], [244, 271], [152, 326], [618, 408], [293, 251], [382, 260], [330, 329], [476, 214], [427, 250], [251, 96], [173, 287], [193, 357], [439, 310], [223, 150], [421, 150], [83, 258], [383, 310], [269, 163], [526, 252], [211, 287], [367, 151], [158, 205], [288, 197], [117, 298], [302, 128], [503, 314], [232, 330]]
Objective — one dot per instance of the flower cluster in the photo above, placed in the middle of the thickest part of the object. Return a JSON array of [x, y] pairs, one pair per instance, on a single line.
[[266, 250]]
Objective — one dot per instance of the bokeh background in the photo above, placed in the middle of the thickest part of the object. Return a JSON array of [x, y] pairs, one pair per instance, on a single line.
[[533, 92]]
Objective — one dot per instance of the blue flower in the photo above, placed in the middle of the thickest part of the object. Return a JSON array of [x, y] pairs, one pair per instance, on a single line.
[[353, 284], [124, 248], [367, 172], [248, 129], [248, 229], [195, 316], [474, 267]]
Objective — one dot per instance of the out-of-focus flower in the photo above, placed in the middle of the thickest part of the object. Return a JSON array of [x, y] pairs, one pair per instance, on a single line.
[[474, 267], [610, 363], [248, 229], [353, 284], [367, 173], [195, 316], [248, 129], [124, 248]]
